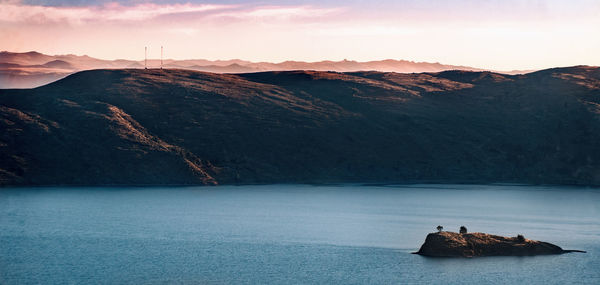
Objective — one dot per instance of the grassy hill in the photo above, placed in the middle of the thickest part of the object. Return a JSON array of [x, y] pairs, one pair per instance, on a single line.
[[133, 126]]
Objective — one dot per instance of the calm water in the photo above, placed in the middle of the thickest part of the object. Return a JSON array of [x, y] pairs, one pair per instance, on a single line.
[[286, 234]]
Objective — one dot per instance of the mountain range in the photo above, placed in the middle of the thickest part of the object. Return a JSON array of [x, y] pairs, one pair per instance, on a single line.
[[33, 69], [175, 126]]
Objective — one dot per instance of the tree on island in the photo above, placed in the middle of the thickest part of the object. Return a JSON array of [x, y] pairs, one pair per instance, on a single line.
[[440, 228], [463, 230], [520, 238]]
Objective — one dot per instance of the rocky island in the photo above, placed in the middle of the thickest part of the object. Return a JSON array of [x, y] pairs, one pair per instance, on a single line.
[[451, 244]]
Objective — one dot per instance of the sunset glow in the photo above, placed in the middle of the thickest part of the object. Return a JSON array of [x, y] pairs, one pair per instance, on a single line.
[[501, 35]]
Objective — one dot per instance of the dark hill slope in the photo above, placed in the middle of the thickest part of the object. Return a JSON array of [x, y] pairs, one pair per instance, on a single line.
[[187, 127]]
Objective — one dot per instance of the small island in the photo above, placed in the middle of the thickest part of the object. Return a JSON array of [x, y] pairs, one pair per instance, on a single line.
[[451, 244]]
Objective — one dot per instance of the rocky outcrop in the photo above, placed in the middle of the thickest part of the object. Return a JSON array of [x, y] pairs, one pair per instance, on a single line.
[[450, 244]]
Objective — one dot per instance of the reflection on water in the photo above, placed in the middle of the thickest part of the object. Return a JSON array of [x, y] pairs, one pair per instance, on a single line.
[[289, 234]]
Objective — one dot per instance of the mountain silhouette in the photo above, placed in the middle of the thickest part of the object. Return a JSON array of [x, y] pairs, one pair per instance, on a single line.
[[33, 69]]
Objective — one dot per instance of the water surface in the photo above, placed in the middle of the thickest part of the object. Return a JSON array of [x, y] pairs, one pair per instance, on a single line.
[[289, 234]]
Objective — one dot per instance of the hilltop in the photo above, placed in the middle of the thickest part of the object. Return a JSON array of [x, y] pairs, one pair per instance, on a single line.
[[33, 69], [133, 126]]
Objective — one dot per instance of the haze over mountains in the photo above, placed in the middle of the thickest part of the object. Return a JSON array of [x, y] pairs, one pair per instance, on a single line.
[[136, 126], [33, 69]]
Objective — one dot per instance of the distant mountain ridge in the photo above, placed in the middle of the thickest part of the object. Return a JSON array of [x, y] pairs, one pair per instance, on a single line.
[[174, 126], [32, 69]]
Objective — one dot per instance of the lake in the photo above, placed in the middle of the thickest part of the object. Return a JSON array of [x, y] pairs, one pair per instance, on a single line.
[[289, 234]]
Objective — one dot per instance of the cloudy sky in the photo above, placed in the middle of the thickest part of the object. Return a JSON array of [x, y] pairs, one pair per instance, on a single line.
[[500, 34]]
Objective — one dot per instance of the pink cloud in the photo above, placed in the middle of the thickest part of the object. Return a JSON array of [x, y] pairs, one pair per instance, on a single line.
[[13, 12], [300, 11], [279, 12]]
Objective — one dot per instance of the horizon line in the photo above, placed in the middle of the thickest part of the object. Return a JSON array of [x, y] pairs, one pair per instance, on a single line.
[[302, 61]]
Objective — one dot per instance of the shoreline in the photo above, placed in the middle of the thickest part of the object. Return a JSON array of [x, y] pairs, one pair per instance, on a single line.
[[344, 184]]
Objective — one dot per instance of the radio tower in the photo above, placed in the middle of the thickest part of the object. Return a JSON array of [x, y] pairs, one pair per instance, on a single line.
[[145, 57], [161, 49]]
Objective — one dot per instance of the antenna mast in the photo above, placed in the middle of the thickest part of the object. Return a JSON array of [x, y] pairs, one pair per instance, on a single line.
[[145, 57], [161, 56]]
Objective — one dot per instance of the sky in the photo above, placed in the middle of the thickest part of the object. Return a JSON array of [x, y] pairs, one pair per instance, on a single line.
[[494, 34]]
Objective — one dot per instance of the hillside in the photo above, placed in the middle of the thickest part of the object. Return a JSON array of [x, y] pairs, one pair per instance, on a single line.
[[138, 126]]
